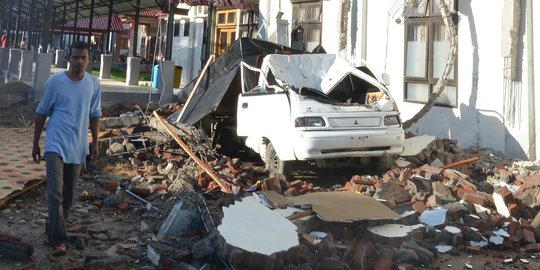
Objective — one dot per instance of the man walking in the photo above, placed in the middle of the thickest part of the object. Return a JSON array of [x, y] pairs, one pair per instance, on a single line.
[[71, 100]]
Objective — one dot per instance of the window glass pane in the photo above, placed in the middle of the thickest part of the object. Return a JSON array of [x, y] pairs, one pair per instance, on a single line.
[[221, 18], [448, 96], [441, 47], [187, 25], [415, 7], [223, 40], [416, 50], [312, 38], [417, 92], [176, 28], [230, 17]]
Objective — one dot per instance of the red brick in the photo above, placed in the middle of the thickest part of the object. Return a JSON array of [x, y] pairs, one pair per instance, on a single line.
[[419, 207], [365, 255], [496, 220], [514, 210], [512, 228], [291, 192], [532, 248], [473, 249], [506, 194], [406, 266], [474, 198], [528, 236], [383, 264], [297, 184]]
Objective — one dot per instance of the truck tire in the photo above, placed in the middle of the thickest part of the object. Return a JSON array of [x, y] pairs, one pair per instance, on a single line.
[[274, 164], [383, 164]]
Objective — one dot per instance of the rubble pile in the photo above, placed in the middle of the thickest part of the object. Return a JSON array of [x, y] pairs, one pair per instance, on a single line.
[[483, 204], [444, 200]]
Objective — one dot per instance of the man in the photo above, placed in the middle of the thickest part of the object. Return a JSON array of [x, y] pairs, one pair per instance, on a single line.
[[3, 39], [71, 100], [23, 44]]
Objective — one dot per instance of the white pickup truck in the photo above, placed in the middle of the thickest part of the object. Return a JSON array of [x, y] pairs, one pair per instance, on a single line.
[[318, 108]]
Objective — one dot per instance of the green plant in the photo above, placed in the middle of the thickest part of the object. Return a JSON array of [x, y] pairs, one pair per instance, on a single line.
[[120, 75]]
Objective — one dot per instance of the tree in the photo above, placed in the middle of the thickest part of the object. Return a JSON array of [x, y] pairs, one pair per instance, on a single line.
[[443, 80]]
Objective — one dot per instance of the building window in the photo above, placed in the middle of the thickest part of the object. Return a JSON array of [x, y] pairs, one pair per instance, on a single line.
[[426, 49], [248, 23], [176, 28], [187, 25], [307, 25]]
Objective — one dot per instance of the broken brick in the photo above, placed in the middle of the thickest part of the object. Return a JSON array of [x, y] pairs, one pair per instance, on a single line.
[[419, 207], [505, 194], [474, 198]]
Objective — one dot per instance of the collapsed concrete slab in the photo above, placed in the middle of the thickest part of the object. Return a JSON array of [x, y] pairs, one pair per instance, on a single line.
[[253, 227], [338, 206]]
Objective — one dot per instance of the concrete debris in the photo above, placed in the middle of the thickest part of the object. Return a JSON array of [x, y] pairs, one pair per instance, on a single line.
[[434, 218], [251, 226], [210, 211]]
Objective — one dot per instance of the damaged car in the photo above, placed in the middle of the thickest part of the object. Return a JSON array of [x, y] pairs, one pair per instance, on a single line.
[[289, 106]]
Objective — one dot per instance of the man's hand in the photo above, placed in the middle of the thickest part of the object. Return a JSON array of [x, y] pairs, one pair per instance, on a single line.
[[36, 153], [94, 155]]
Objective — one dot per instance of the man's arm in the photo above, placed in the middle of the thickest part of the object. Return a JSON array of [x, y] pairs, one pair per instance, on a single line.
[[38, 128], [94, 129]]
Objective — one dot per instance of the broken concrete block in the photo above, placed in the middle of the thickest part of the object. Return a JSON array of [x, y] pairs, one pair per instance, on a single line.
[[392, 192], [202, 248], [393, 234], [500, 205], [434, 218], [536, 221], [496, 239], [239, 231], [364, 256], [443, 248], [425, 255], [406, 255]]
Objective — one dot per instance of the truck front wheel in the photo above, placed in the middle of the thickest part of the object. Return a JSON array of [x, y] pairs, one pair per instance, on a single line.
[[274, 164]]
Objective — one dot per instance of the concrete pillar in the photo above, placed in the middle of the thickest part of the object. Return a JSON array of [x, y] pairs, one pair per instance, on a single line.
[[13, 65], [59, 59], [43, 72], [4, 58], [105, 67], [27, 61], [165, 85], [133, 69]]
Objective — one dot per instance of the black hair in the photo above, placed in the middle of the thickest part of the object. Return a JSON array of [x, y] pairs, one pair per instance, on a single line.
[[80, 45]]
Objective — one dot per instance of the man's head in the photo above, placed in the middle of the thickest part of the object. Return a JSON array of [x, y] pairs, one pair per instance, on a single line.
[[78, 56]]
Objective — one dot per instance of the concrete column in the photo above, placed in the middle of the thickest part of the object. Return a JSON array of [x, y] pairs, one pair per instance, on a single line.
[[165, 85], [133, 69], [27, 61], [14, 61], [59, 59], [105, 67], [43, 72], [4, 58]]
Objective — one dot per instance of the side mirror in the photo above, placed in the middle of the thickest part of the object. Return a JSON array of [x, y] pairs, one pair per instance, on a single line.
[[386, 78]]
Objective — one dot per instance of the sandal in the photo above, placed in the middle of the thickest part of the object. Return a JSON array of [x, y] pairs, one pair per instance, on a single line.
[[60, 250]]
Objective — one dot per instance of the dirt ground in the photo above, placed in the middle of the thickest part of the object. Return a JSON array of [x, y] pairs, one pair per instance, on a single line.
[[125, 231]]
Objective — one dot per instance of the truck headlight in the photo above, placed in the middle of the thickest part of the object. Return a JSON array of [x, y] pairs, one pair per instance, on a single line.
[[392, 120], [309, 122]]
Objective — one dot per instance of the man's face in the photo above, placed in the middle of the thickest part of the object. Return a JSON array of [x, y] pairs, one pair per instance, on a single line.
[[78, 60]]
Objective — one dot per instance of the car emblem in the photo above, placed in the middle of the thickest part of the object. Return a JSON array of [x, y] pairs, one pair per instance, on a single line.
[[356, 122]]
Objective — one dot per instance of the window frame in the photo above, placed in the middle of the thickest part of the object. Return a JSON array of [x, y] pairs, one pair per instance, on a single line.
[[307, 24], [430, 19]]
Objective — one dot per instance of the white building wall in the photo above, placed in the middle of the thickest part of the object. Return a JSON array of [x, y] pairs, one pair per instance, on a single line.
[[481, 118], [492, 111], [187, 51], [536, 71]]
